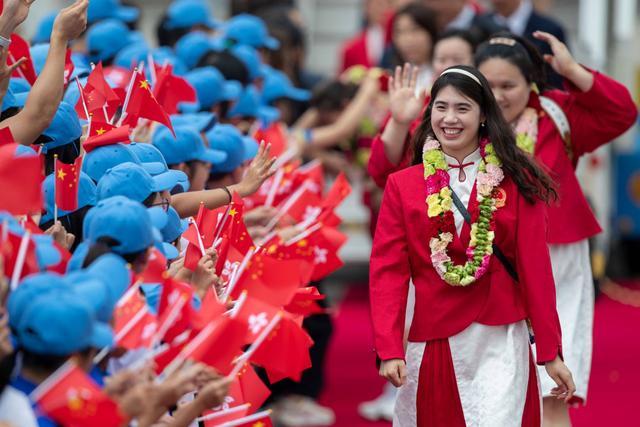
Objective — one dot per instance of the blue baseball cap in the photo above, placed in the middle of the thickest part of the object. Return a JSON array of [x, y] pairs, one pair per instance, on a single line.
[[47, 254], [248, 105], [250, 30], [175, 226], [153, 162], [106, 38], [104, 9], [64, 128], [98, 160], [25, 150], [29, 288], [19, 85], [239, 148], [159, 220], [39, 54], [125, 221], [188, 14], [86, 196], [58, 323], [44, 28], [132, 181], [211, 87], [202, 121], [10, 101], [101, 284], [277, 85], [250, 58], [192, 47], [188, 145], [131, 55]]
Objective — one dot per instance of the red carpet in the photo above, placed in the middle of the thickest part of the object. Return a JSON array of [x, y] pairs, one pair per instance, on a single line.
[[614, 392], [352, 377]]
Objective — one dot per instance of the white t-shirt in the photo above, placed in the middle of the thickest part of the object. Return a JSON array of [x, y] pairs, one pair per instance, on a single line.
[[15, 408]]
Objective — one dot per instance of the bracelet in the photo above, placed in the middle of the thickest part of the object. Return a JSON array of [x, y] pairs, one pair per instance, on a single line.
[[226, 190], [4, 42]]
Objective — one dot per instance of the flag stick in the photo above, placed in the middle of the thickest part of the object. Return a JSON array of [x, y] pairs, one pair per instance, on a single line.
[[22, 256], [240, 361], [246, 420], [200, 243], [287, 205], [229, 411], [5, 229], [171, 318], [84, 103], [127, 97], [55, 177], [236, 277], [273, 190], [13, 61], [187, 350], [52, 380]]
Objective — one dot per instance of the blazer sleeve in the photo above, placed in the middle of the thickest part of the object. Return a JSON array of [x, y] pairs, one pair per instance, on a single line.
[[535, 275], [379, 166], [598, 115], [389, 275]]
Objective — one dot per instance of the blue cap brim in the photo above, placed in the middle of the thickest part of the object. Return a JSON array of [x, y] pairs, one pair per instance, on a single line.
[[215, 157], [231, 90], [212, 23], [297, 94], [127, 14], [271, 43], [169, 251], [189, 107], [102, 336], [168, 180], [268, 114], [159, 218], [77, 259], [112, 270], [250, 147], [48, 255]]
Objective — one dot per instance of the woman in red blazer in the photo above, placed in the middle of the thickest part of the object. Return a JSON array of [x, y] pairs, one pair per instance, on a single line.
[[468, 360], [558, 127]]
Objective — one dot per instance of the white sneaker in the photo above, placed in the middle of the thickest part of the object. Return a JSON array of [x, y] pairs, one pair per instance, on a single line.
[[381, 408], [300, 411]]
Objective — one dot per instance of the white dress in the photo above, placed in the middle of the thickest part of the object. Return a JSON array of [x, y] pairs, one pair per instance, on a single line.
[[491, 363]]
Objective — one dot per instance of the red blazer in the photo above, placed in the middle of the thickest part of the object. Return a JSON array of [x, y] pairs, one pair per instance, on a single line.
[[595, 117], [354, 52], [401, 251]]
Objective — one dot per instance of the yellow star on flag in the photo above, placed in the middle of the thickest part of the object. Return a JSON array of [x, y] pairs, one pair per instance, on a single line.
[[258, 424], [144, 85], [100, 131], [233, 212], [61, 174]]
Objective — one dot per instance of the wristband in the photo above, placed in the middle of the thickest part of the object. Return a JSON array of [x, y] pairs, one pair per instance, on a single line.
[[4, 42], [226, 190]]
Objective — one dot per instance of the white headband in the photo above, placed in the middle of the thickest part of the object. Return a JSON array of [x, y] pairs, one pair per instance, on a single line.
[[463, 72]]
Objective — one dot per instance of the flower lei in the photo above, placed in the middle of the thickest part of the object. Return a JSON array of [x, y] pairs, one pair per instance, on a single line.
[[439, 202], [526, 130]]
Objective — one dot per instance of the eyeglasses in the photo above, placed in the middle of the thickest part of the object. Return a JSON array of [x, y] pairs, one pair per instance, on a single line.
[[164, 203]]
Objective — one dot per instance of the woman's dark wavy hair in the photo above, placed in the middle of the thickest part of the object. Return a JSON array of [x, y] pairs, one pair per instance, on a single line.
[[424, 18], [523, 54], [532, 181]]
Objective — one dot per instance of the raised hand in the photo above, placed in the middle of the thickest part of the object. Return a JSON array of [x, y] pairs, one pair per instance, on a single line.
[[563, 62], [71, 21], [14, 13], [258, 171], [404, 104]]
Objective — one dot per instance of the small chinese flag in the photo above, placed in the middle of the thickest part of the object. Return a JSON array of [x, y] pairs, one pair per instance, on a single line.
[[19, 48], [105, 134], [143, 104], [6, 137], [67, 177], [170, 90], [20, 182], [133, 325], [71, 398]]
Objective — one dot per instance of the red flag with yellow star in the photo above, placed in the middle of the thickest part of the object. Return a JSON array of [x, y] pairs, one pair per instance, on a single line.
[[103, 133], [67, 178], [133, 325], [71, 398], [170, 90], [20, 182], [143, 104]]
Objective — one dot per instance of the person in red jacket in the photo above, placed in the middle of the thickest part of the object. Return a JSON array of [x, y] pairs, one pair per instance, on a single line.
[[477, 254], [558, 127]]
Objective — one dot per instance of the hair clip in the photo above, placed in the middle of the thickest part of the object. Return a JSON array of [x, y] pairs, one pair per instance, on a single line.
[[503, 40]]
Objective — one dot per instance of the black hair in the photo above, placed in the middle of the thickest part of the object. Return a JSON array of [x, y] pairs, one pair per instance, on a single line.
[[7, 365], [517, 51], [67, 153], [169, 36], [148, 202], [9, 112], [228, 64], [456, 33], [332, 95], [423, 17], [47, 363], [103, 246], [532, 181], [72, 223]]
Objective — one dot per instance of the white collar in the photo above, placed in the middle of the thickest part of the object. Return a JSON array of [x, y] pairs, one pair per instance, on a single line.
[[471, 158], [463, 20], [517, 21]]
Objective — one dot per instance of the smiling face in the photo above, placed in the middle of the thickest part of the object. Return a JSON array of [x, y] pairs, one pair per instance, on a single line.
[[455, 120], [508, 85]]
